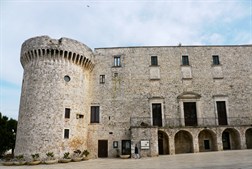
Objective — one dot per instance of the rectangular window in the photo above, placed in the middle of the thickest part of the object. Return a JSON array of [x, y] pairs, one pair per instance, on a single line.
[[117, 61], [66, 133], [102, 79], [95, 114], [216, 60], [67, 113], [154, 61], [185, 60]]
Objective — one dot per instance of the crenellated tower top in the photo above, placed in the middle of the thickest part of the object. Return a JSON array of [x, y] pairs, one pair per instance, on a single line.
[[43, 47]]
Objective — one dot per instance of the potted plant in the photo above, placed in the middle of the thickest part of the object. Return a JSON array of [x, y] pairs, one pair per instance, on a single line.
[[77, 156], [50, 158], [8, 160], [19, 160], [35, 160], [85, 153], [66, 158]]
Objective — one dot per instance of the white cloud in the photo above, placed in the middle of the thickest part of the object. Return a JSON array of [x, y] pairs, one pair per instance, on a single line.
[[125, 23]]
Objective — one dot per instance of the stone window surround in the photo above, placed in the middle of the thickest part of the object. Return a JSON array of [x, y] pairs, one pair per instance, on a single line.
[[158, 100], [189, 97]]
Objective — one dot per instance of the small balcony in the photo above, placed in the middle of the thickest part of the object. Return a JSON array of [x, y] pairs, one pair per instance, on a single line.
[[199, 122]]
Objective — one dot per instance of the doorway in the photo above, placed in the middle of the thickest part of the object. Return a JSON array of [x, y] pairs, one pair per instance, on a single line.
[[190, 114], [163, 143], [248, 135], [226, 140], [102, 148], [207, 141], [126, 147], [183, 142]]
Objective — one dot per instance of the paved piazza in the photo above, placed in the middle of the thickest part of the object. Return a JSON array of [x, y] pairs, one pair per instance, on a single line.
[[236, 159]]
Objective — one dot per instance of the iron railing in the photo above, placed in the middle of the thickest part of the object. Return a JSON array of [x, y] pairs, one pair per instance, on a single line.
[[200, 122]]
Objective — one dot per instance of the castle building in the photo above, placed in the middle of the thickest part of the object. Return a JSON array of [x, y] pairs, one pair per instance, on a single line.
[[162, 99]]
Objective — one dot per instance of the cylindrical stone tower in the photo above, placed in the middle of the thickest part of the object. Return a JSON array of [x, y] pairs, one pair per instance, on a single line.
[[55, 96]]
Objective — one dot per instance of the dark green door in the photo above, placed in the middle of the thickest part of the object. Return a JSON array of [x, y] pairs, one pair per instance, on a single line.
[[102, 148], [126, 147]]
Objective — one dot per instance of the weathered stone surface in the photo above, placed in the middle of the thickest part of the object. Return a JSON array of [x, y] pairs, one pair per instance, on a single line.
[[126, 96]]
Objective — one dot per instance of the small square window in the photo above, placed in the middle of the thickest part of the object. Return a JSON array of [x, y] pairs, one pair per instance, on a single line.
[[66, 133], [185, 60], [216, 60], [67, 113], [117, 61], [102, 79], [79, 116], [154, 61], [95, 114]]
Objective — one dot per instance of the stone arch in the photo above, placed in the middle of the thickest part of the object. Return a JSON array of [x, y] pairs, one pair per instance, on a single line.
[[248, 135], [163, 143], [183, 142], [207, 141], [231, 139]]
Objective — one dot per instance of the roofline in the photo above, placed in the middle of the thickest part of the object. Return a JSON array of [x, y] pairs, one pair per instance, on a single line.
[[245, 45]]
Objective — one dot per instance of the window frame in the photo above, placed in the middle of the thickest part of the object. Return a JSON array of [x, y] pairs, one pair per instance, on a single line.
[[154, 61], [67, 113], [185, 60], [66, 133], [95, 114], [117, 61], [102, 79], [216, 59]]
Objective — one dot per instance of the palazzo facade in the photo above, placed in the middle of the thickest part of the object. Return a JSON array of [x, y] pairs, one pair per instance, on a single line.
[[162, 99]]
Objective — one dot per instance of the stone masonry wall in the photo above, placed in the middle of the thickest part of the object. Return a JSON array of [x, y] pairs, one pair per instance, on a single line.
[[127, 94], [46, 94], [129, 90]]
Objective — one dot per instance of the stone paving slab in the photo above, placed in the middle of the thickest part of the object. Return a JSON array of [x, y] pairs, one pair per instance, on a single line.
[[236, 159]]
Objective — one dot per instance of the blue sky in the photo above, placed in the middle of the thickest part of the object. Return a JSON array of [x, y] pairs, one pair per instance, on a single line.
[[108, 23]]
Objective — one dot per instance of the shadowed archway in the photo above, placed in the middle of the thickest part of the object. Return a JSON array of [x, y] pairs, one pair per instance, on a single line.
[[163, 143], [207, 141], [248, 135], [183, 142], [231, 139]]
